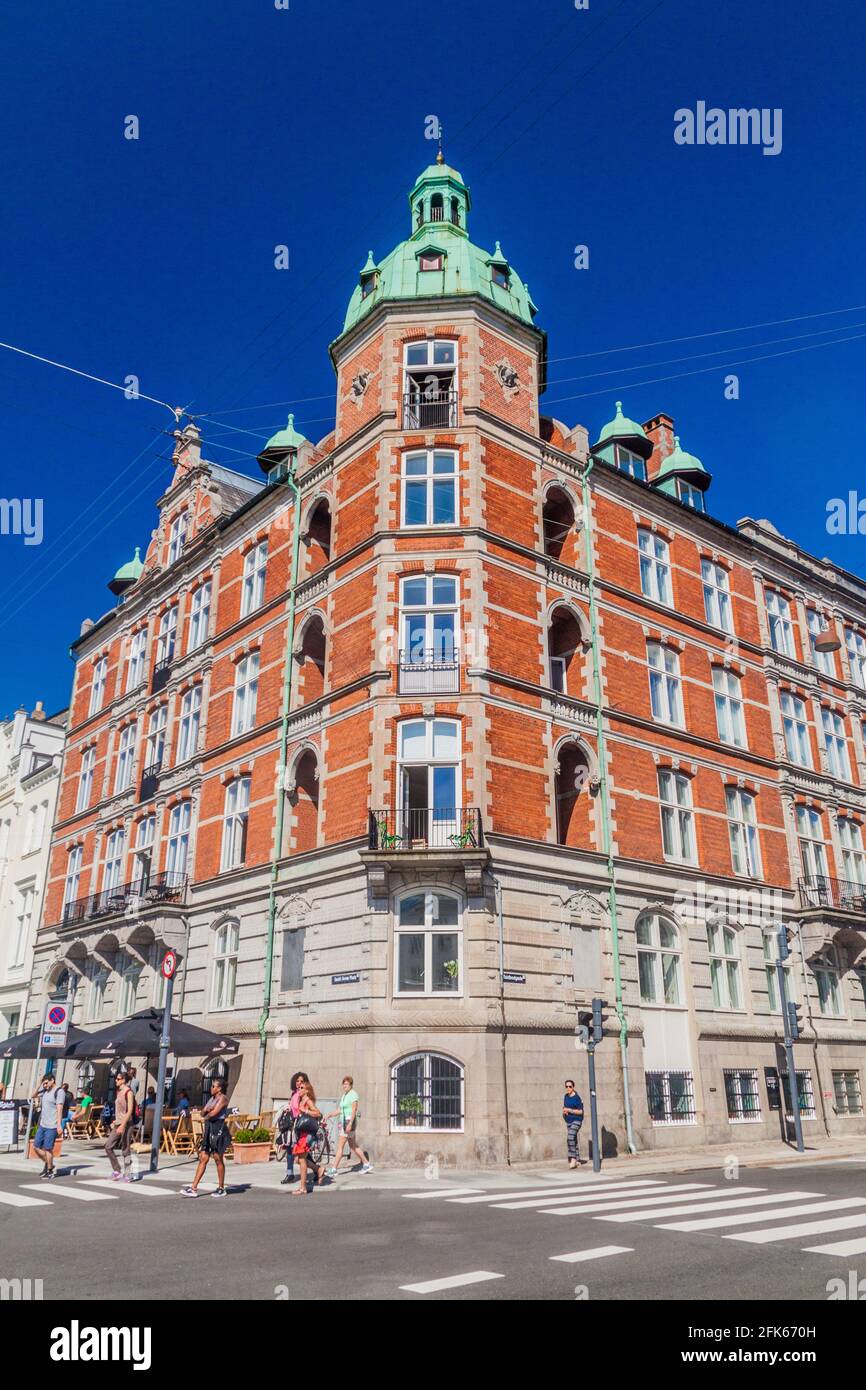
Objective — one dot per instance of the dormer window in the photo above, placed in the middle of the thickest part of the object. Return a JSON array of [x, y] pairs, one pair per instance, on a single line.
[[432, 260], [429, 385], [368, 284], [499, 276], [177, 537], [630, 463], [692, 496]]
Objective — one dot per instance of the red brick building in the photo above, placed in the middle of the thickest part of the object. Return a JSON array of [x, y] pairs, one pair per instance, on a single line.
[[523, 725]]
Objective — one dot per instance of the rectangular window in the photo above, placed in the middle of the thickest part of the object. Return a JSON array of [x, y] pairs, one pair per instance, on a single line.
[[73, 875], [428, 947], [246, 694], [136, 666], [429, 385], [655, 567], [664, 678], [255, 570], [430, 488], [813, 854], [112, 873], [729, 707], [166, 637], [670, 1097], [129, 976], [805, 1095], [21, 931], [692, 496], [825, 662], [743, 830], [742, 1094], [855, 644], [724, 966], [97, 688], [292, 961], [125, 759], [154, 751], [781, 628], [771, 955], [143, 857], [828, 978], [846, 1089], [190, 724], [796, 729], [717, 595], [237, 811], [225, 966], [836, 744], [177, 537], [853, 858], [177, 853], [199, 616], [96, 995], [678, 837], [630, 463]]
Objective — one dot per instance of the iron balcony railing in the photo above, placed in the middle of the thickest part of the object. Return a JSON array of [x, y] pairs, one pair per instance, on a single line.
[[161, 673], [439, 827], [109, 902], [840, 893], [436, 410], [150, 780], [429, 673]]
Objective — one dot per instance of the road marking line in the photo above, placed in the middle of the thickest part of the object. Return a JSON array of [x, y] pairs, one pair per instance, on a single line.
[[456, 1281], [131, 1187], [15, 1199], [603, 1199], [597, 1254], [749, 1217], [555, 1193], [440, 1192], [808, 1228], [841, 1247], [68, 1192], [646, 1205]]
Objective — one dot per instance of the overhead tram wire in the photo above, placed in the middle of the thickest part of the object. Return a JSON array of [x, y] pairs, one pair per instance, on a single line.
[[177, 411]]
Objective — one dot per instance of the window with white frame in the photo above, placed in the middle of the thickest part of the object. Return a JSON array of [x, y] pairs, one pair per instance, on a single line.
[[678, 831], [822, 661], [631, 463], [166, 637], [430, 488], [724, 949], [97, 687], [73, 875], [136, 665], [835, 744], [428, 945], [855, 644], [655, 566], [796, 729], [127, 995], [143, 856], [125, 759], [427, 1093], [429, 784], [177, 854], [177, 536], [717, 595], [29, 841], [199, 616], [112, 873], [743, 831], [246, 694], [728, 698], [189, 724], [658, 960], [429, 384], [781, 627], [771, 955], [255, 571], [742, 1094], [665, 686], [235, 821], [805, 1095], [846, 1092], [429, 608], [671, 1097], [691, 495], [154, 751], [96, 994], [828, 977], [225, 965], [853, 858], [813, 853], [21, 927]]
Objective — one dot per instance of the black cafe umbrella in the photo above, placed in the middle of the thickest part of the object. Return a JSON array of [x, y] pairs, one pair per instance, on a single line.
[[138, 1036], [27, 1044]]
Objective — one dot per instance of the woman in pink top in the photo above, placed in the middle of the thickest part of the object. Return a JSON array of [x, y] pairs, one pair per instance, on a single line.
[[290, 1115]]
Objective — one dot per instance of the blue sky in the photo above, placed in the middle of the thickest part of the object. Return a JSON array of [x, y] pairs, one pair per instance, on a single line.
[[305, 127]]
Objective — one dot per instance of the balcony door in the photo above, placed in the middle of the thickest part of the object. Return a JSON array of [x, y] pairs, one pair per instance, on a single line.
[[429, 781]]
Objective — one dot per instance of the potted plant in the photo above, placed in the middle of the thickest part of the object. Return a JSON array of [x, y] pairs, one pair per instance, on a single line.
[[451, 968], [58, 1144], [252, 1145], [409, 1108]]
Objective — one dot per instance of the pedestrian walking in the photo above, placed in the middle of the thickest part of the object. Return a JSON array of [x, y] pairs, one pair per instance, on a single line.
[[286, 1122], [52, 1100], [572, 1113], [348, 1113], [215, 1140], [309, 1118], [120, 1133]]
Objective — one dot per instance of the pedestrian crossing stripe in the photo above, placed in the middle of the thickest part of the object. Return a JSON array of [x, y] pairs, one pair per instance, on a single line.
[[599, 1253], [806, 1208], [808, 1228], [590, 1201], [840, 1247], [143, 1189], [555, 1194], [17, 1199], [646, 1205], [66, 1191]]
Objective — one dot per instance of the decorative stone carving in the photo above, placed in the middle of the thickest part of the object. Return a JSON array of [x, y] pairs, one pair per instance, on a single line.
[[359, 386], [508, 379], [583, 906]]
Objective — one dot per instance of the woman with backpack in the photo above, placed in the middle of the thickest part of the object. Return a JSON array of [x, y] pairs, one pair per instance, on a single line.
[[286, 1121], [309, 1119]]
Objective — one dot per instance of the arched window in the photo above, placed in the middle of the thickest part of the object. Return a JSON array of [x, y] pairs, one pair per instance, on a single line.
[[437, 211], [311, 661], [658, 960], [319, 536], [428, 944], [558, 526], [572, 796], [304, 799], [563, 644], [427, 1093], [455, 211]]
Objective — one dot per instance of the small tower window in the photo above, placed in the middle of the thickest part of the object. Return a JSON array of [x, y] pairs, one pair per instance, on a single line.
[[419, 213], [455, 211], [437, 208], [630, 463], [368, 284], [692, 496], [499, 276], [430, 262]]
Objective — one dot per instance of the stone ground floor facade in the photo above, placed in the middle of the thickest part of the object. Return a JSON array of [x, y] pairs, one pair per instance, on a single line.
[[388, 968]]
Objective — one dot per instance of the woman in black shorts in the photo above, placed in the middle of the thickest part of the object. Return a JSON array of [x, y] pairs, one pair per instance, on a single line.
[[215, 1141]]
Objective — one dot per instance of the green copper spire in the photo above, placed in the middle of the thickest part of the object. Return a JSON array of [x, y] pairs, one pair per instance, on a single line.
[[284, 442], [622, 430], [128, 574], [681, 462]]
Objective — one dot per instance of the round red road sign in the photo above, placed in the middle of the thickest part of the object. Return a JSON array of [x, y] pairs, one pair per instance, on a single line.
[[169, 964]]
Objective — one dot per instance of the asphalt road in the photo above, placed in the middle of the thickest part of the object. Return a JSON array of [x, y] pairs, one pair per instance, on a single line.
[[354, 1242]]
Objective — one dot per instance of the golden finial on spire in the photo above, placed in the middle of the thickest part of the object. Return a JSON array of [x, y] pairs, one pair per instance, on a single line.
[[440, 158]]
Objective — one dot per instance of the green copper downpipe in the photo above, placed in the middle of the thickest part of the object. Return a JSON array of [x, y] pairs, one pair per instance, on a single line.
[[605, 809], [281, 779]]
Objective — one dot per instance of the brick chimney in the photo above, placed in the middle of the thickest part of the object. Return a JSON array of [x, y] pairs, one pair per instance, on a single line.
[[39, 711], [187, 449], [660, 429]]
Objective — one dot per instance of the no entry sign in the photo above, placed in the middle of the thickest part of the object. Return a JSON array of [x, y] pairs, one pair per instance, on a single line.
[[169, 964]]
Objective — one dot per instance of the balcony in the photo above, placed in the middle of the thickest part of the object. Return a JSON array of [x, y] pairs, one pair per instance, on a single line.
[[149, 781], [837, 894], [161, 673], [113, 902], [429, 673], [436, 410], [408, 838]]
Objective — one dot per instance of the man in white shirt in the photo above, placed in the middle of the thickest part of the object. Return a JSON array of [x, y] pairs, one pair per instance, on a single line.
[[53, 1099]]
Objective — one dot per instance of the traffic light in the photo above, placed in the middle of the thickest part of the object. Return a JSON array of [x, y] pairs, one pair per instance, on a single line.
[[795, 1019], [599, 1019], [785, 938], [584, 1025]]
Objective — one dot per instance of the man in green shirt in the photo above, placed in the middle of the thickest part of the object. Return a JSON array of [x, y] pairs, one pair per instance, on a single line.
[[348, 1113]]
